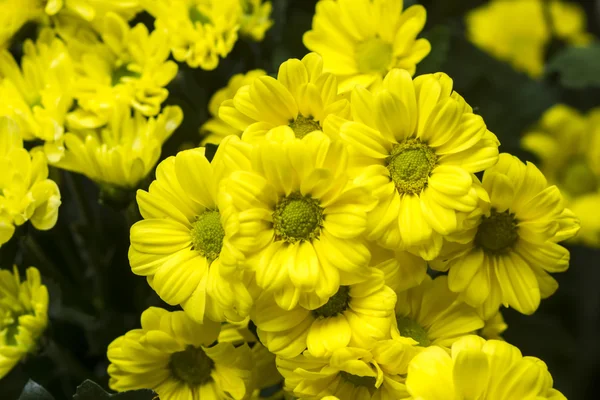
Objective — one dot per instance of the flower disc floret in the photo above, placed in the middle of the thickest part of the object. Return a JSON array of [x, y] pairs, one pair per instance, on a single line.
[[192, 366], [207, 234], [297, 218], [410, 165], [337, 304], [373, 56], [302, 126], [498, 232], [408, 327]]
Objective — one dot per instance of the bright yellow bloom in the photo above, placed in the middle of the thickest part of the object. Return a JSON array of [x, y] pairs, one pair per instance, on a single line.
[[432, 315], [200, 31], [568, 146], [494, 327], [255, 18], [361, 40], [297, 102], [123, 152], [505, 257], [476, 369], [215, 129], [39, 94], [179, 243], [130, 65], [518, 32], [174, 356], [356, 315], [26, 193], [351, 373], [295, 219], [416, 145], [23, 315]]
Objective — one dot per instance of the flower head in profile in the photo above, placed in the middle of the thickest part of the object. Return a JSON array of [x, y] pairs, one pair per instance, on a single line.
[[505, 257], [477, 369], [416, 145], [297, 102], [255, 21], [26, 193], [177, 358], [23, 315], [567, 143], [361, 40], [215, 129]]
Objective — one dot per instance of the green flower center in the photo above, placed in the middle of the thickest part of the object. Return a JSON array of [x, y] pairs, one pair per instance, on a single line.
[[408, 327], [337, 304], [373, 56], [357, 380], [302, 126], [297, 218], [410, 165], [207, 234], [192, 366], [497, 233], [578, 178], [196, 15], [122, 72]]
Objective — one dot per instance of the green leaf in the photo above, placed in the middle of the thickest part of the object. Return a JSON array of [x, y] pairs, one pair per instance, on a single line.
[[89, 390], [577, 66], [33, 391]]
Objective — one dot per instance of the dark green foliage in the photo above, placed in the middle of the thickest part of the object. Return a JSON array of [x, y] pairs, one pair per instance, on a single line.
[[89, 390], [577, 67], [33, 391]]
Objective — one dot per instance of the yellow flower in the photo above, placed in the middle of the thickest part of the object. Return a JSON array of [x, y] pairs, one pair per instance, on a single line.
[[568, 146], [295, 220], [432, 315], [26, 193], [361, 40], [23, 315], [215, 129], [199, 31], [174, 356], [123, 152], [13, 15], [39, 94], [477, 369], [255, 18], [129, 65], [506, 256], [416, 145], [297, 102], [518, 32], [179, 243], [494, 327], [356, 315], [350, 373]]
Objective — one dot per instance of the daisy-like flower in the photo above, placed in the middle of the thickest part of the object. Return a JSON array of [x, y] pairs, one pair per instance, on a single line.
[[477, 369], [199, 31], [123, 152], [432, 315], [23, 316], [351, 373], [568, 146], [175, 357], [415, 145], [295, 220], [215, 129], [298, 101], [507, 254], [357, 315], [255, 21], [39, 94], [179, 243], [361, 40], [26, 193]]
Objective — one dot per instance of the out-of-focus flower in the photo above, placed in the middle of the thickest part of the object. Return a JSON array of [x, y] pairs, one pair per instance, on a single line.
[[255, 18]]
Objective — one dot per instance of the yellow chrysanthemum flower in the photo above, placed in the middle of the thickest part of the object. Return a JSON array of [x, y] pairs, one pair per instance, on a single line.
[[215, 129], [298, 101], [26, 193], [255, 20], [129, 65], [174, 356], [415, 145], [494, 327], [295, 219], [23, 316], [199, 31], [476, 369], [39, 94], [568, 146], [432, 315], [361, 40], [518, 31], [123, 152], [356, 315], [507, 254], [179, 245], [350, 373]]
